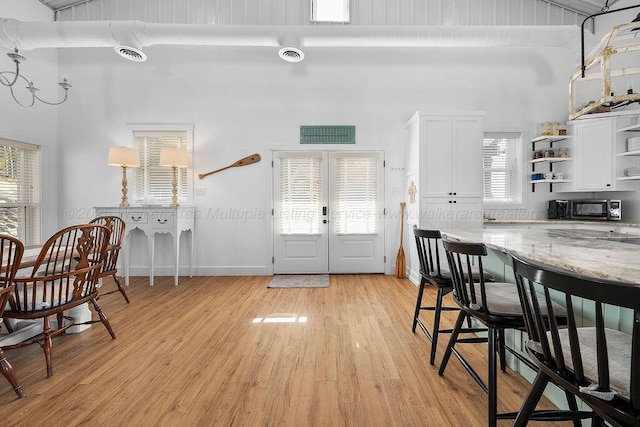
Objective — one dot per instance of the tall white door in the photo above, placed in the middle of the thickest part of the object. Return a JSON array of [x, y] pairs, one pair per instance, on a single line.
[[328, 212]]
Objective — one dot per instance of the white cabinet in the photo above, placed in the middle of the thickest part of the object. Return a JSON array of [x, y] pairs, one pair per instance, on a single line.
[[449, 168], [599, 154], [443, 212], [153, 221], [594, 154]]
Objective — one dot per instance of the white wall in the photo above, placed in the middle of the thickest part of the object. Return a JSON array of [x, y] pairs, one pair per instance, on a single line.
[[39, 124], [245, 100]]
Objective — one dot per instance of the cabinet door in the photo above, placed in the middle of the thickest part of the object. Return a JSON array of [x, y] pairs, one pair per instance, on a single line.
[[594, 155], [436, 151], [466, 160], [466, 213], [435, 213]]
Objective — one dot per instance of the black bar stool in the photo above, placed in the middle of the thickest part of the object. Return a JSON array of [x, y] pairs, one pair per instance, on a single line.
[[496, 305], [599, 365], [431, 274]]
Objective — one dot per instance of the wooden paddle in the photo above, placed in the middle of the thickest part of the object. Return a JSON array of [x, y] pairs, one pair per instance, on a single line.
[[401, 263], [254, 158]]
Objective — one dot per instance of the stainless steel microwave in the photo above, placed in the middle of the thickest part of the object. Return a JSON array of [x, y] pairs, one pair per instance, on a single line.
[[602, 210]]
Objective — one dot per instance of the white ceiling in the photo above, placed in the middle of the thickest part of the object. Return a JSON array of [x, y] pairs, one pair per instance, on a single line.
[[120, 9]]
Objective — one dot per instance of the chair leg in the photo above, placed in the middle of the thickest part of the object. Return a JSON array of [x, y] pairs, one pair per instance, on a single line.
[[492, 378], [9, 374], [532, 399], [436, 326], [126, 298], [103, 318], [573, 406], [47, 347], [418, 304], [503, 352], [452, 342]]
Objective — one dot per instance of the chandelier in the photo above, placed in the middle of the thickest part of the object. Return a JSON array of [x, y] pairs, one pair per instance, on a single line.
[[10, 78]]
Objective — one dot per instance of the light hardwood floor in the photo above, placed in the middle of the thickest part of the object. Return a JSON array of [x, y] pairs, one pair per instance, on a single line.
[[197, 354]]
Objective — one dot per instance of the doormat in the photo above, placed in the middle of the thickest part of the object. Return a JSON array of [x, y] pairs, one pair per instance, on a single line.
[[299, 281]]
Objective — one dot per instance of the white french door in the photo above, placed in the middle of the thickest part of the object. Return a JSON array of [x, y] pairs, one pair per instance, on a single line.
[[328, 212]]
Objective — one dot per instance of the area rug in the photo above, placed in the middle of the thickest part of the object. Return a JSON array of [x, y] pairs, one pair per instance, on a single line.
[[299, 281]]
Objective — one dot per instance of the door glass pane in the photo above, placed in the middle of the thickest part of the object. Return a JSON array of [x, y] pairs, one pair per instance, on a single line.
[[356, 194], [300, 194]]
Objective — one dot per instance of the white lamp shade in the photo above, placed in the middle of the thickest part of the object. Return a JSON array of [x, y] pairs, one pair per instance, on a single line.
[[123, 156], [174, 157]]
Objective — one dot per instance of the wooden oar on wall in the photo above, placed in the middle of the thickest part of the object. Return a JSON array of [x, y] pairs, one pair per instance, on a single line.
[[401, 263], [254, 158]]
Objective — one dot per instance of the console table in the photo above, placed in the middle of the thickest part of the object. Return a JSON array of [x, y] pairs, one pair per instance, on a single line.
[[152, 221]]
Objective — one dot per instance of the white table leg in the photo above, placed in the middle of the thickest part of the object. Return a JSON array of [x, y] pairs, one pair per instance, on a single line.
[[152, 246], [177, 245], [125, 258], [191, 254], [82, 314]]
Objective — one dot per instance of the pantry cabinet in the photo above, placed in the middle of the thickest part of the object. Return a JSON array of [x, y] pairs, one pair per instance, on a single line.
[[444, 159]]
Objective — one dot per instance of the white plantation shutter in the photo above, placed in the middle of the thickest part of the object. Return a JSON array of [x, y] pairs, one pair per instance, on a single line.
[[356, 194], [300, 195], [20, 191], [502, 168], [153, 180]]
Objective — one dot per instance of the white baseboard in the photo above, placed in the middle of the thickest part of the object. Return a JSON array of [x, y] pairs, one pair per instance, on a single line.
[[249, 270]]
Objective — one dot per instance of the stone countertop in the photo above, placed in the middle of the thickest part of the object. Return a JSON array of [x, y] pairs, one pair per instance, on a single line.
[[594, 253], [559, 221]]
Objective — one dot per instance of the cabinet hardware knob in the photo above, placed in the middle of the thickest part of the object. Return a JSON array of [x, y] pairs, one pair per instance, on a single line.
[[162, 221], [455, 201]]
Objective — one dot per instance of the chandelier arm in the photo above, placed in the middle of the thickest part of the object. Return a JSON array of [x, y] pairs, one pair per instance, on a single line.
[[13, 95], [66, 93], [15, 79], [4, 79]]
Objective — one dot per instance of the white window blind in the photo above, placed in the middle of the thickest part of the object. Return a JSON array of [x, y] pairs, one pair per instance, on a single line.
[[502, 167], [152, 180], [20, 191], [356, 194], [300, 198]]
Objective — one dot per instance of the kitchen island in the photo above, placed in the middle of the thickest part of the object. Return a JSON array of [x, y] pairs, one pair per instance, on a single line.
[[600, 254], [595, 253]]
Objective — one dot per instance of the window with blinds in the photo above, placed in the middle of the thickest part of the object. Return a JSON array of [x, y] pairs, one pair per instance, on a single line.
[[356, 194], [300, 198], [20, 191], [502, 167], [154, 182]]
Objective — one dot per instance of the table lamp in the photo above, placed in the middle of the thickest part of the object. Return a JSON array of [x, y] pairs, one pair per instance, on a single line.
[[124, 157], [175, 158]]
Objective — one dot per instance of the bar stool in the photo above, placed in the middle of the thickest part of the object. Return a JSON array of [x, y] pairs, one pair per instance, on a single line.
[[496, 305], [431, 274], [599, 365]]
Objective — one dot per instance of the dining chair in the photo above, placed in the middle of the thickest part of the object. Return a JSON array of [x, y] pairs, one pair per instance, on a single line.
[[64, 276], [110, 268], [598, 364], [11, 251], [496, 305]]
